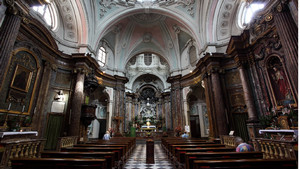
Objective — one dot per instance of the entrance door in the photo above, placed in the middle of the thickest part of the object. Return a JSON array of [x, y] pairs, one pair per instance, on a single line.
[[102, 128], [195, 126]]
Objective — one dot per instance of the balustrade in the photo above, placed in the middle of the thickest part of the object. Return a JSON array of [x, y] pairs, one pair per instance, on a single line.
[[68, 141], [276, 149], [20, 149]]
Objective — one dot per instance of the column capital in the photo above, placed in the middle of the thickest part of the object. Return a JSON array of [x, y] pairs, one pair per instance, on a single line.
[[80, 70], [241, 61]]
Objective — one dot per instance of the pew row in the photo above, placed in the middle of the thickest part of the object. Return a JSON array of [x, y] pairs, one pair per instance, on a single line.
[[109, 156], [190, 157], [246, 163], [57, 163]]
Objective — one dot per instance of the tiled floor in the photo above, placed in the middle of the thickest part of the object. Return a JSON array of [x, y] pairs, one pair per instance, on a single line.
[[138, 158]]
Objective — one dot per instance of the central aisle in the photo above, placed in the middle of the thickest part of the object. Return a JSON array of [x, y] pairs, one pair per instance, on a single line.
[[138, 158]]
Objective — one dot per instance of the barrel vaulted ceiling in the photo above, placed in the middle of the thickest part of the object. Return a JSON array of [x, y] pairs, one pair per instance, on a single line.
[[131, 27]]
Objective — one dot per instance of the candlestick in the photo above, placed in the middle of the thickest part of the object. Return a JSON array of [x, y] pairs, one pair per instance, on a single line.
[[9, 106]]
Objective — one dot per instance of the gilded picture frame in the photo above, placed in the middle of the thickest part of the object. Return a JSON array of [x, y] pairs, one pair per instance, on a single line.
[[21, 79]]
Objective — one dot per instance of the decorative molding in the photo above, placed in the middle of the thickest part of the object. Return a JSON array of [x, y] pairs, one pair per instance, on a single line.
[[225, 19], [69, 20]]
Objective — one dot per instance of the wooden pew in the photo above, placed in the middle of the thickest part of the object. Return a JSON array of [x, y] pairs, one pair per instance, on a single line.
[[109, 156], [246, 163], [174, 148], [125, 148], [182, 151], [190, 157], [57, 163], [130, 143], [117, 150]]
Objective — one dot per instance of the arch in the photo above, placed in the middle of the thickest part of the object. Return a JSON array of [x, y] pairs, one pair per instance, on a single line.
[[119, 15]]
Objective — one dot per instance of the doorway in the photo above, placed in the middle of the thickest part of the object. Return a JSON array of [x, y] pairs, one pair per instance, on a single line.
[[195, 126], [102, 128]]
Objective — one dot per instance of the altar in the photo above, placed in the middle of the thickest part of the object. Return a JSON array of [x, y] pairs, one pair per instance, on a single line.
[[280, 134], [148, 128]]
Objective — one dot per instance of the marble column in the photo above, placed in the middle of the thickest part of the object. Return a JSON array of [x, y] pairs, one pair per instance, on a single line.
[[110, 103], [176, 108], [221, 117], [77, 101], [247, 95], [185, 91], [119, 109], [288, 35], [40, 114], [209, 102], [8, 35]]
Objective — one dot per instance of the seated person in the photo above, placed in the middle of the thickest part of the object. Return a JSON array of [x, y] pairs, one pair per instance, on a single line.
[[106, 136], [185, 135], [242, 146]]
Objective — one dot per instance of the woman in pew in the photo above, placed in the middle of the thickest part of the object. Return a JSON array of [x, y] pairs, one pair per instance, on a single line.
[[106, 136], [242, 146]]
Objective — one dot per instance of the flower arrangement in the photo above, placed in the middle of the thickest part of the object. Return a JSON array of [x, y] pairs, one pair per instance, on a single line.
[[269, 119], [178, 130]]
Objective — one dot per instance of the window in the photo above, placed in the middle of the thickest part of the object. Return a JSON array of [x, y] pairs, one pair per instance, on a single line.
[[247, 12], [148, 59], [101, 56], [48, 13], [193, 55]]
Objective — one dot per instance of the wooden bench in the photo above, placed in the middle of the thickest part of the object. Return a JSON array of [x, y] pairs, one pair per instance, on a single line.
[[174, 148], [190, 157], [57, 163], [117, 150], [246, 163], [109, 156], [182, 151]]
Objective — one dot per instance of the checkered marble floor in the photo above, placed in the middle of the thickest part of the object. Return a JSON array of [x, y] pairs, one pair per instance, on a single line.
[[138, 158]]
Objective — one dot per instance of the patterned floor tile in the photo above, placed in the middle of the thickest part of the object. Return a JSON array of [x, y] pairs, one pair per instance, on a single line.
[[137, 159]]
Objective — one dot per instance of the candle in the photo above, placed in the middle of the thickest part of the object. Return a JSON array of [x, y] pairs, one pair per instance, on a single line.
[[23, 108], [9, 106]]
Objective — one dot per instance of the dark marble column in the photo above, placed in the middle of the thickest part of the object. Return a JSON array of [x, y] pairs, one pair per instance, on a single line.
[[8, 35], [77, 100], [288, 34], [176, 107], [40, 114], [247, 95], [221, 118], [209, 102]]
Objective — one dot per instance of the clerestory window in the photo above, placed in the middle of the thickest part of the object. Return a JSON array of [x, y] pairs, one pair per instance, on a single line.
[[101, 56]]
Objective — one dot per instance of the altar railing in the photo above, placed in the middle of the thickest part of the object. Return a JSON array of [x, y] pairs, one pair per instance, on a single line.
[[68, 141], [276, 149]]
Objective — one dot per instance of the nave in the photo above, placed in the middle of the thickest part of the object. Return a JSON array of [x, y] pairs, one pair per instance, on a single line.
[[138, 158]]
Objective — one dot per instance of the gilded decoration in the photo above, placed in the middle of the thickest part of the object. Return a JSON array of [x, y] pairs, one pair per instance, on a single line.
[[21, 79], [20, 82]]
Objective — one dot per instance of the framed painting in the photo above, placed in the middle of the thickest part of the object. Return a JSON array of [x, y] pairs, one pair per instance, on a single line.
[[21, 79]]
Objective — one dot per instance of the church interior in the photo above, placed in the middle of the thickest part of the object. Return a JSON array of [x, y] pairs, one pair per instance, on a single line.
[[148, 84]]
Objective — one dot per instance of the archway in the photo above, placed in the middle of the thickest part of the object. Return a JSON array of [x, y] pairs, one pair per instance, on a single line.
[[197, 113]]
